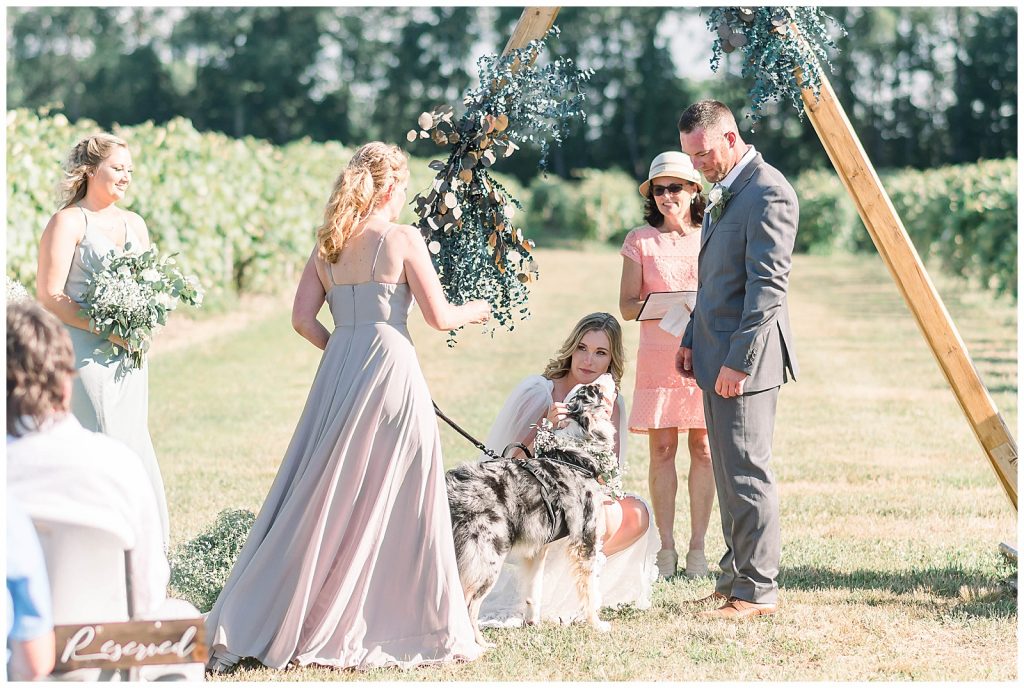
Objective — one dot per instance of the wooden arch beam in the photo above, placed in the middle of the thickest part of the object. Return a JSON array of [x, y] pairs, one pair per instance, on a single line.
[[533, 23], [897, 251]]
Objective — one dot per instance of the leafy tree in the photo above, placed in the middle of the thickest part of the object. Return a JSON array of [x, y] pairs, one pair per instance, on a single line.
[[923, 86], [428, 66], [927, 86], [85, 61], [254, 69], [983, 122], [632, 99]]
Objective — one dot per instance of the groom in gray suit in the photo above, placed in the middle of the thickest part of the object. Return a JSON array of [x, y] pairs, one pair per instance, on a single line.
[[739, 347]]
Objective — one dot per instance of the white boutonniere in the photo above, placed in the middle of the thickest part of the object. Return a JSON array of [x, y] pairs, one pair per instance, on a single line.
[[717, 198]]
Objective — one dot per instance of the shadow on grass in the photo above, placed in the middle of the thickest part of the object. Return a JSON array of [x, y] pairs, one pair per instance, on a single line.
[[981, 595]]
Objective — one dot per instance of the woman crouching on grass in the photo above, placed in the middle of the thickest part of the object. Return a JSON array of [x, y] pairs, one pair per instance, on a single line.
[[594, 347]]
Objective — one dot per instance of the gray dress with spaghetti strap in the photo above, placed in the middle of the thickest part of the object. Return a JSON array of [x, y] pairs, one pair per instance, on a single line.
[[351, 562], [103, 400]]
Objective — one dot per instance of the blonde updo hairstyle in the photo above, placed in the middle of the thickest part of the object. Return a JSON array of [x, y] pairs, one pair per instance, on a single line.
[[558, 367], [82, 159], [357, 191]]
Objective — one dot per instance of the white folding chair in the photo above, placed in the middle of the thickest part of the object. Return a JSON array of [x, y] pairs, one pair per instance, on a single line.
[[89, 571], [90, 582]]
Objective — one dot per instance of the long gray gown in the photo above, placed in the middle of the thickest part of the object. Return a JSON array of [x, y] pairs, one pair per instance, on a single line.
[[101, 399], [350, 562]]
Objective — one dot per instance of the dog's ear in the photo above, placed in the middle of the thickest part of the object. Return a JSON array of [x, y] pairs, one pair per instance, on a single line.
[[584, 422]]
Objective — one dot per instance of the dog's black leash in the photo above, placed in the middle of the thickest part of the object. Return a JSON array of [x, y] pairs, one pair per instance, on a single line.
[[515, 445], [477, 443], [557, 525]]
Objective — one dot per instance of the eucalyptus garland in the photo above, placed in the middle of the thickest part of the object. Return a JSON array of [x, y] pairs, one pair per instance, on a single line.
[[777, 42], [466, 216]]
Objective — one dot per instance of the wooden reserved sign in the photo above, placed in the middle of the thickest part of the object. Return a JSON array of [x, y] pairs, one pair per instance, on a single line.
[[129, 644]]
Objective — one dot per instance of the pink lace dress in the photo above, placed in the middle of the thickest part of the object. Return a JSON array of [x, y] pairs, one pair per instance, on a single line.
[[661, 397]]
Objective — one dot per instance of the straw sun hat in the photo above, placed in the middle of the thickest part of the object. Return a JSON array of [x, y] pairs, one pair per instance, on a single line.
[[671, 164]]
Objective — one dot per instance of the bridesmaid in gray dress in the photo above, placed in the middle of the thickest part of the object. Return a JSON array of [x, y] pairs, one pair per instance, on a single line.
[[89, 225], [351, 562]]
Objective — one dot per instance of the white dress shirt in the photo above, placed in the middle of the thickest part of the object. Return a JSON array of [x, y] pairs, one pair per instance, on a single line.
[[738, 168], [63, 469]]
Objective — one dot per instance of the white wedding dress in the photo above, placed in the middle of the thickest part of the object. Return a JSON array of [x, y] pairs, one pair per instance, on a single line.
[[626, 577]]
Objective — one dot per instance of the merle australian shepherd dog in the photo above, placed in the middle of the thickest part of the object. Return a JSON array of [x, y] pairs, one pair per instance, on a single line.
[[499, 505]]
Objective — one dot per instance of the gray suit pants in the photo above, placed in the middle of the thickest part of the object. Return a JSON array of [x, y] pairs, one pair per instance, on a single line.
[[740, 434]]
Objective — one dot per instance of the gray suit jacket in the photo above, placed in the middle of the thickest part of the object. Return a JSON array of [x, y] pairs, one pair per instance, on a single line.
[[741, 319]]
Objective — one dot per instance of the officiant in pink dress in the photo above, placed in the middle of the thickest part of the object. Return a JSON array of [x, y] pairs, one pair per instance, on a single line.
[[661, 256]]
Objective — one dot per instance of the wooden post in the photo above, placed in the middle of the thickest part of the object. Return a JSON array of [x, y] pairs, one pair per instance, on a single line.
[[898, 252], [533, 23]]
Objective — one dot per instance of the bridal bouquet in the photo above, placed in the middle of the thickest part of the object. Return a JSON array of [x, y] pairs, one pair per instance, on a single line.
[[131, 297]]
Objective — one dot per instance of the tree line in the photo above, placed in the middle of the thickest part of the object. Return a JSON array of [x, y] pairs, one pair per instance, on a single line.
[[923, 86]]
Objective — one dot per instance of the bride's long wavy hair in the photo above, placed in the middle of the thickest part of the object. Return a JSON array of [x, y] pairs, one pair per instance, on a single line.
[[558, 367], [357, 191]]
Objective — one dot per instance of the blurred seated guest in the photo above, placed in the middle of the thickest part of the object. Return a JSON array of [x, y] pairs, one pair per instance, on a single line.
[[54, 465], [30, 651]]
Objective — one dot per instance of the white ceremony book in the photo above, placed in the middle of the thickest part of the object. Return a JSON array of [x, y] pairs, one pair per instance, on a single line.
[[658, 303]]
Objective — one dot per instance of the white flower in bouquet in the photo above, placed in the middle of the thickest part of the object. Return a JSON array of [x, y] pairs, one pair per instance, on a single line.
[[16, 291], [131, 298], [166, 300], [121, 292], [192, 282]]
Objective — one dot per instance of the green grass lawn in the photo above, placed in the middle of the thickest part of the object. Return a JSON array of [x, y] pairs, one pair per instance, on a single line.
[[891, 516]]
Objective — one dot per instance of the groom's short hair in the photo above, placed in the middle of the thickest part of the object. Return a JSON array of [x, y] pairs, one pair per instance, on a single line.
[[706, 115]]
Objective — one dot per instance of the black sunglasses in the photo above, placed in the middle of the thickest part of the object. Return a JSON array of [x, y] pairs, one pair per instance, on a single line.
[[674, 189]]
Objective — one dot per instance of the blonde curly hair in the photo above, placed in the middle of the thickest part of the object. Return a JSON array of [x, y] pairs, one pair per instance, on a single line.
[[83, 158], [357, 191]]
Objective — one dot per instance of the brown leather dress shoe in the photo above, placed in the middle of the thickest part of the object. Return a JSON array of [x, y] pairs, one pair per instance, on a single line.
[[714, 598], [738, 610]]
